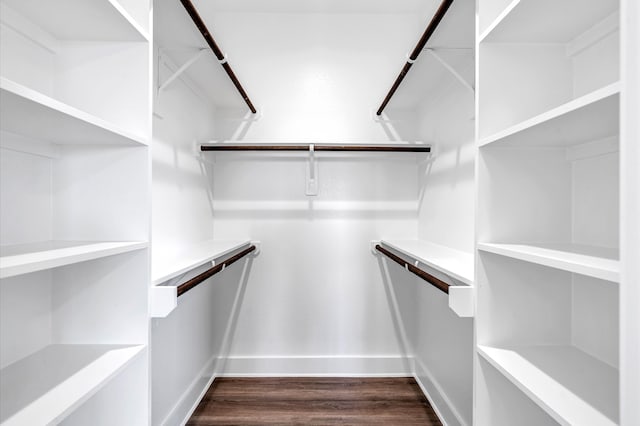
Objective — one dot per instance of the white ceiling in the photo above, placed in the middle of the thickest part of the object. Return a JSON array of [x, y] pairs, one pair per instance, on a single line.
[[228, 21], [316, 6]]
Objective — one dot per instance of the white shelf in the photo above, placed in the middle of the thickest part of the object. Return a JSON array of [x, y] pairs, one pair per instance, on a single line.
[[454, 263], [47, 386], [167, 266], [27, 112], [82, 20], [546, 21], [572, 387], [597, 262], [587, 118], [26, 258]]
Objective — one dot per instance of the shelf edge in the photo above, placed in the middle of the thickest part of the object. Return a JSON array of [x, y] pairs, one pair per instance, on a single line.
[[25, 267], [612, 275], [564, 109]]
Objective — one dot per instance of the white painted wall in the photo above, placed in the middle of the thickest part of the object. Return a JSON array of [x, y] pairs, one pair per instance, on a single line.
[[441, 342], [315, 76], [182, 209], [315, 301], [447, 183], [182, 344]]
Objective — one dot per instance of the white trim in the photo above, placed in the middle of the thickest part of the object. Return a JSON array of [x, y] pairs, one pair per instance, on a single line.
[[448, 414], [174, 416], [130, 19], [317, 366], [496, 22]]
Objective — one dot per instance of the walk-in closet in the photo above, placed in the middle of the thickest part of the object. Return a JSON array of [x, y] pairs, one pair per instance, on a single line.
[[320, 212]]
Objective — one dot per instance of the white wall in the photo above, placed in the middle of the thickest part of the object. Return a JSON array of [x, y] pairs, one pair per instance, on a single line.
[[442, 343], [183, 344], [315, 76], [315, 301], [182, 210], [447, 183]]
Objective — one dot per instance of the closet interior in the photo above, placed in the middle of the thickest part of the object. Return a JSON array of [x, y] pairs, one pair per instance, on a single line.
[[199, 189]]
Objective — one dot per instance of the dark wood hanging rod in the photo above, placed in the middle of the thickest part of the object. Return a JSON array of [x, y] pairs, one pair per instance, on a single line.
[[435, 21], [197, 20], [436, 282], [199, 279], [292, 147]]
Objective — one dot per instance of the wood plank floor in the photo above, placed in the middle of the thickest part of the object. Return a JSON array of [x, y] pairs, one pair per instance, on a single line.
[[314, 401]]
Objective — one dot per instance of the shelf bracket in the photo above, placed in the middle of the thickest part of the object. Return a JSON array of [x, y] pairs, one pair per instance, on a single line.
[[461, 300], [163, 300], [452, 70], [311, 187], [182, 69]]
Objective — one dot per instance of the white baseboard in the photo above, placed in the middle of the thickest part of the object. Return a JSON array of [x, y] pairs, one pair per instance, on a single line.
[[440, 402], [191, 397], [317, 366]]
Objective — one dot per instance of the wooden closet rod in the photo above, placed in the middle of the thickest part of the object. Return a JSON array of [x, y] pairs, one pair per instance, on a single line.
[[197, 20], [194, 282], [437, 283], [292, 147], [435, 21]]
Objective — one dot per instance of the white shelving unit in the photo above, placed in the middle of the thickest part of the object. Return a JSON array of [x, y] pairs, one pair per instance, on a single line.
[[592, 116], [457, 267], [76, 19], [168, 268], [68, 125], [27, 258], [519, 20], [554, 376], [75, 125], [45, 387], [548, 267]]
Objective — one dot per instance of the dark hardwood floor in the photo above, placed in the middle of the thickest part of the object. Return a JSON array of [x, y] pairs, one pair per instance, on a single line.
[[314, 401]]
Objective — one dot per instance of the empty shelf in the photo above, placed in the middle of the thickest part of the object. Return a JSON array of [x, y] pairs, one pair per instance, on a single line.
[[454, 263], [597, 262], [27, 112], [166, 267], [47, 386], [572, 387], [587, 118], [86, 20], [26, 258], [563, 21]]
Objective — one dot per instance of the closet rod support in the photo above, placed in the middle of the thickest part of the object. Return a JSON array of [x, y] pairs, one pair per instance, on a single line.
[[436, 282], [452, 70], [433, 24], [182, 69], [199, 23]]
